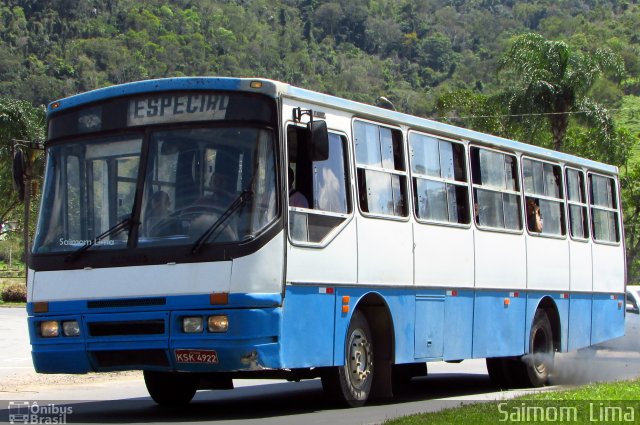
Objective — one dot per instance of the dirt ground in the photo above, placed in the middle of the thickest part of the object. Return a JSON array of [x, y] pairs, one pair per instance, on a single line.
[[20, 381]]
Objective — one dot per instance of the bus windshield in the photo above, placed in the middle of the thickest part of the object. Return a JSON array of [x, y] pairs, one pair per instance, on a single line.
[[190, 178]]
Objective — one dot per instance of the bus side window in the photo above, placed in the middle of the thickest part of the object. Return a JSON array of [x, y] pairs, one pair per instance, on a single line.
[[496, 189], [544, 197], [439, 179], [381, 171], [576, 198], [604, 209], [319, 200]]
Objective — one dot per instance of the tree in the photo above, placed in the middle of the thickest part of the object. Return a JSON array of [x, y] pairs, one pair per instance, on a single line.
[[554, 80], [474, 110], [631, 203], [552, 85], [18, 120]]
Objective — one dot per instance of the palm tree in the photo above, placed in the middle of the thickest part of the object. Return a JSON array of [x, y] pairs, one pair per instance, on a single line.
[[554, 81]]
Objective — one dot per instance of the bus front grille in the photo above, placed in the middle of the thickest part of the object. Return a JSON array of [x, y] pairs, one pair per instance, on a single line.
[[138, 327]]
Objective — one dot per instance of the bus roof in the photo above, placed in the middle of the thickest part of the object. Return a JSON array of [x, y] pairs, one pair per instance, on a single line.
[[442, 129], [276, 89], [164, 84]]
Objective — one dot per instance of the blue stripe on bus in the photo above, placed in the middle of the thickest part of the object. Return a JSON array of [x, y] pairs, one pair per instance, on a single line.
[[534, 299], [579, 321], [149, 86], [401, 304], [458, 323], [308, 327], [498, 325], [607, 317]]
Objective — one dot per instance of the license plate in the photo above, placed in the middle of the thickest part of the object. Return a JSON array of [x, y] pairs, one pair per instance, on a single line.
[[197, 356]]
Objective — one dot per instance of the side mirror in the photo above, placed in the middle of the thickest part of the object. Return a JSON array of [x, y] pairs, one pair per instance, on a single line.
[[317, 141], [19, 167]]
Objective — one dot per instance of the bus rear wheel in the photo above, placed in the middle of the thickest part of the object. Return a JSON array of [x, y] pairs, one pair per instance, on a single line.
[[170, 388], [538, 363], [351, 383]]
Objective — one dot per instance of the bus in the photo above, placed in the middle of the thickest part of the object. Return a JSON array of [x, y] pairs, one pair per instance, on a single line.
[[209, 229]]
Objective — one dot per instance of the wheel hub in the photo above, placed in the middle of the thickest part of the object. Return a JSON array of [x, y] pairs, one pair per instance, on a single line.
[[359, 358]]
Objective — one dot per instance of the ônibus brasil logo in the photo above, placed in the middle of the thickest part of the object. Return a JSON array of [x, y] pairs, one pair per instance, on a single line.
[[25, 412]]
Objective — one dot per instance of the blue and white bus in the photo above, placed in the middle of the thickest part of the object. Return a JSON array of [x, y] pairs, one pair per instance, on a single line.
[[206, 229]]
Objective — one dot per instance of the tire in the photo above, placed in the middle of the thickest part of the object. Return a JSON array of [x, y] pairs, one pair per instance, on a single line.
[[170, 388], [538, 363], [351, 384]]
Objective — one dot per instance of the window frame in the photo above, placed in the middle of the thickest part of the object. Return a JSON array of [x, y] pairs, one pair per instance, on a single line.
[[406, 173], [348, 217], [426, 177], [474, 186], [562, 200], [569, 203], [616, 197]]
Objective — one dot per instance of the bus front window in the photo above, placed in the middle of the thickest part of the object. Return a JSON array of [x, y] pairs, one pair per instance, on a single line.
[[202, 186], [90, 188], [200, 179]]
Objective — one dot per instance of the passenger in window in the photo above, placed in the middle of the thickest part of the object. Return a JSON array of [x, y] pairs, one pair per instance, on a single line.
[[296, 199], [534, 217]]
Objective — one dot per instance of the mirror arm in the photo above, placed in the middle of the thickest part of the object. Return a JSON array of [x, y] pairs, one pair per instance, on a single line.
[[298, 113]]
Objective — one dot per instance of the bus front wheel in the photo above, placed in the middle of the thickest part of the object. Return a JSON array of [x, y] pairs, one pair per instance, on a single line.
[[351, 383], [170, 388]]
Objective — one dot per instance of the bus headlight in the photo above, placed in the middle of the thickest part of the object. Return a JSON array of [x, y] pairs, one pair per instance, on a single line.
[[49, 328], [218, 323], [192, 325], [71, 328]]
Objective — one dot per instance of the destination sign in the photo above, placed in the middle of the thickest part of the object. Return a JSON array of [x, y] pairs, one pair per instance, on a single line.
[[177, 108]]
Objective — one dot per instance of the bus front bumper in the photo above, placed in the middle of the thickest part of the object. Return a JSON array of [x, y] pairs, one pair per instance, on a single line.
[[156, 340]]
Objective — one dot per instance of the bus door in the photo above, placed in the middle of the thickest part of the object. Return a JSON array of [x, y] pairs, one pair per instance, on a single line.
[[322, 236]]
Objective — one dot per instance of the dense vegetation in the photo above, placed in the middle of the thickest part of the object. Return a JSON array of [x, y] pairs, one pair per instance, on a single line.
[[443, 59], [408, 50]]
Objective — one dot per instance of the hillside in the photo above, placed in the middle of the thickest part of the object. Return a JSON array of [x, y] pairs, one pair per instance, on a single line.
[[407, 50]]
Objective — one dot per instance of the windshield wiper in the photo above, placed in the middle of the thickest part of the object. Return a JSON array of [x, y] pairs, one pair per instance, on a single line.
[[123, 225], [235, 206]]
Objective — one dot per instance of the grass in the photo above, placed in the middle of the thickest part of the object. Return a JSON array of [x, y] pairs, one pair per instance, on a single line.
[[12, 305], [613, 402]]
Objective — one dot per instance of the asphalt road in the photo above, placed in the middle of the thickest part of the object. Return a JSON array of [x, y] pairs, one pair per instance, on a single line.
[[123, 397]]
